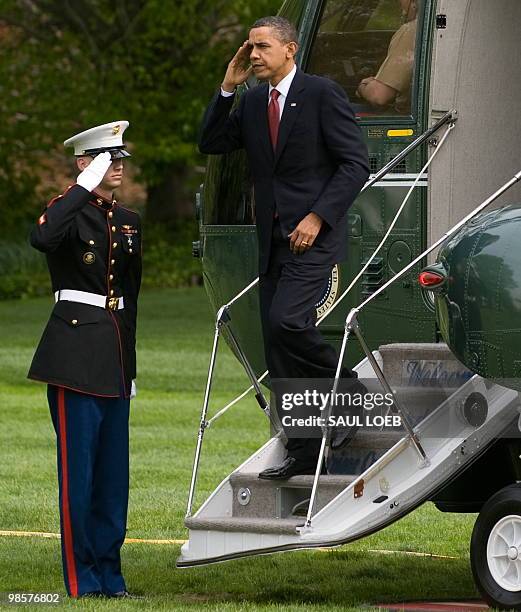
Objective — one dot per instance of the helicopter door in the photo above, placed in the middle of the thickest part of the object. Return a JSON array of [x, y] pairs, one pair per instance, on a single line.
[[355, 43]]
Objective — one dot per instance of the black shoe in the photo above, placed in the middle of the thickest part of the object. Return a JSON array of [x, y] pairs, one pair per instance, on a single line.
[[288, 468], [93, 594]]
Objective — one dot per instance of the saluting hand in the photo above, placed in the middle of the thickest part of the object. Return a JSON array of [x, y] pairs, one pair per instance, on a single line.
[[93, 174], [239, 68], [303, 236]]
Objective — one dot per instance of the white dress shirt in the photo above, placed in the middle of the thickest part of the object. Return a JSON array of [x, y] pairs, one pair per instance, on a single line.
[[282, 88]]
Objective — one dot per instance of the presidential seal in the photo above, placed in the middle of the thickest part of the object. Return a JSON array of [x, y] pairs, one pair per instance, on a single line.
[[330, 292]]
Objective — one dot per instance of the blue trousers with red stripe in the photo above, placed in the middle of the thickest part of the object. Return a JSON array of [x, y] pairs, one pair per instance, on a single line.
[[93, 476]]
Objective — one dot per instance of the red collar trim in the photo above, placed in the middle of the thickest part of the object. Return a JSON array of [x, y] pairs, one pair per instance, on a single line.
[[102, 203]]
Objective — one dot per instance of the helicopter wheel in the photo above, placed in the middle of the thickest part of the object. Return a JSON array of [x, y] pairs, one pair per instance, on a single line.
[[495, 549]]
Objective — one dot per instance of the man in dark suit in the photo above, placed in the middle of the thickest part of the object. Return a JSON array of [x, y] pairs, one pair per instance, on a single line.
[[308, 163]]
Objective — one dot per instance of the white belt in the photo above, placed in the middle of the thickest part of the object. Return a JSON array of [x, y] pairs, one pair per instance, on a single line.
[[84, 297]]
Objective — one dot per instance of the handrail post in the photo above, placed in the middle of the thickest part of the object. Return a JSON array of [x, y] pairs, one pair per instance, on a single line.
[[396, 406], [259, 395], [204, 412], [350, 320]]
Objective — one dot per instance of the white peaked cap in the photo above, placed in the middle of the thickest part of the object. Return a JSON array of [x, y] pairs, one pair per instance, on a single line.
[[106, 137]]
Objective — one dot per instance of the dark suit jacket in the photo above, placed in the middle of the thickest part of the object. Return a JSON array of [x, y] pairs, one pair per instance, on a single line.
[[95, 246], [320, 163]]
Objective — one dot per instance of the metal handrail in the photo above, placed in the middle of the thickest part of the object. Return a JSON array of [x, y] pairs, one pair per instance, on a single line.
[[351, 325], [222, 322]]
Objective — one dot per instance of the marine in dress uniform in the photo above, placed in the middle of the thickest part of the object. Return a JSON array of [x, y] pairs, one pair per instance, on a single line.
[[87, 357]]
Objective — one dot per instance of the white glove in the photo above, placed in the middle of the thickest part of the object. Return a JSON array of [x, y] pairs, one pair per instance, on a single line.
[[133, 390], [93, 174]]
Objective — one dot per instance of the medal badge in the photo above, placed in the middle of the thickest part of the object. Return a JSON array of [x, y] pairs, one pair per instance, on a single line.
[[129, 231]]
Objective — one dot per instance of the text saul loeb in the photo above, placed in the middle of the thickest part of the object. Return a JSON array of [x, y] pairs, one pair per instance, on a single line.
[[357, 420]]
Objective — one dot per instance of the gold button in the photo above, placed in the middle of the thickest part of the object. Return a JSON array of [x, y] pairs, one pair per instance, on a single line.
[[99, 201], [111, 214], [74, 321], [112, 292], [91, 242], [113, 228], [111, 277], [130, 250], [114, 245], [112, 262]]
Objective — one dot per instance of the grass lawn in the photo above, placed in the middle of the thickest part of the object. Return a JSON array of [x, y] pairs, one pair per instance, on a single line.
[[175, 333]]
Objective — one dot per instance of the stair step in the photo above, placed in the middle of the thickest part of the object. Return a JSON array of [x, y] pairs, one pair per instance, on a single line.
[[419, 350], [304, 481], [363, 451], [422, 364], [256, 498], [245, 524], [372, 440]]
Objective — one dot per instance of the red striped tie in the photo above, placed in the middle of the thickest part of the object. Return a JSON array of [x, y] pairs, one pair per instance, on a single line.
[[274, 117]]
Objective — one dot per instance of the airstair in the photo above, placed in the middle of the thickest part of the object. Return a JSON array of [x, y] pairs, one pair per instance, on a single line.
[[385, 472], [377, 479]]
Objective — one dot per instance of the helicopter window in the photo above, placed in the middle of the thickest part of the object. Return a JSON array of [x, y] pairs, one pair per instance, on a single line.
[[368, 47]]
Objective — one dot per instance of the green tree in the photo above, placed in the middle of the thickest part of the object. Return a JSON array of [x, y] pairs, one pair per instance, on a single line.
[[71, 64]]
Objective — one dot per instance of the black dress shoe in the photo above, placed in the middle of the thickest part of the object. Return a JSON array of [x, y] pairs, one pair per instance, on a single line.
[[288, 468]]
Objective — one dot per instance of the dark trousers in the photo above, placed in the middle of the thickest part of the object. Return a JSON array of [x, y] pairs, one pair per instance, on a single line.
[[293, 345], [93, 475]]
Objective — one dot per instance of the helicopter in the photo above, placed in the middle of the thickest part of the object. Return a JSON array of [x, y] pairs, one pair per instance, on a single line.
[[430, 291]]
